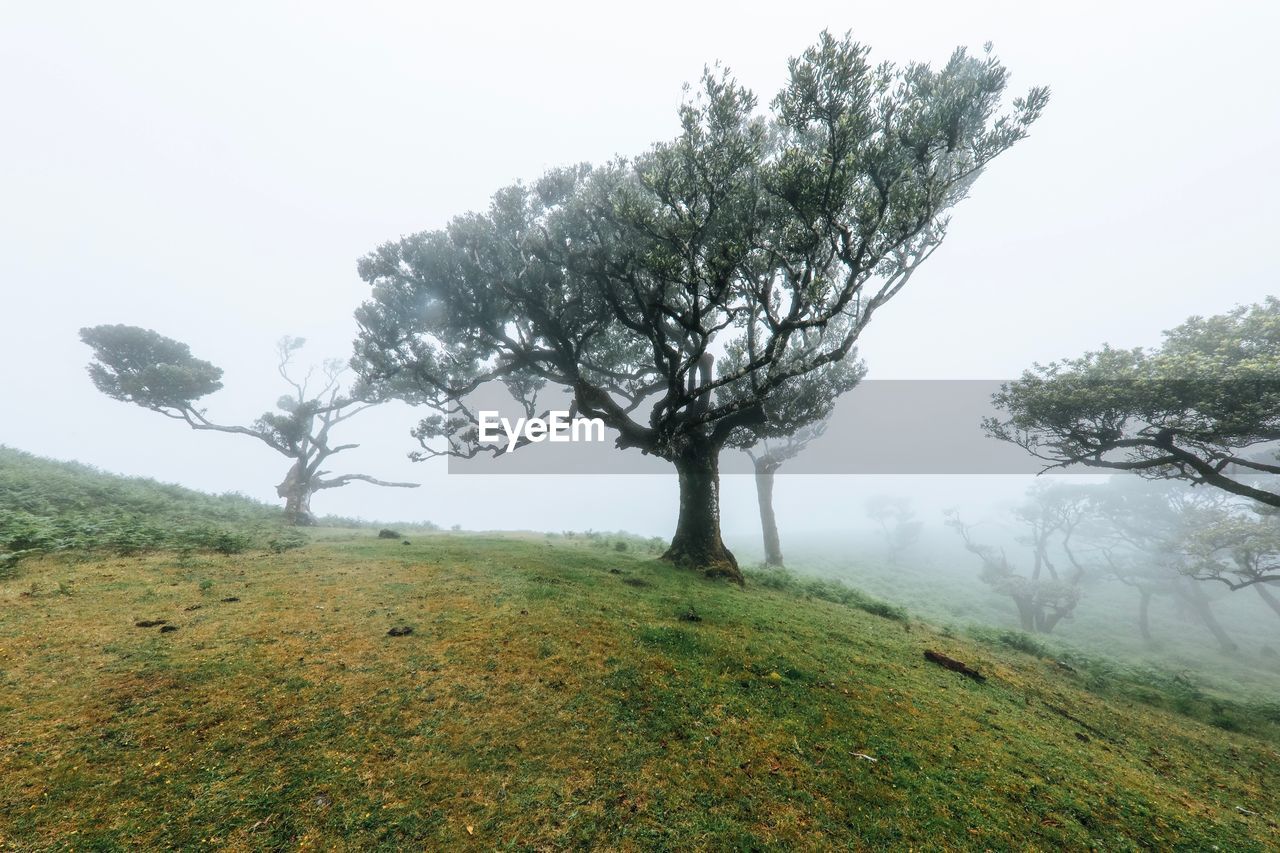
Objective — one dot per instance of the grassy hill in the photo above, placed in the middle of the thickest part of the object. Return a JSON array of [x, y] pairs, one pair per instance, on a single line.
[[555, 692], [552, 695], [47, 505]]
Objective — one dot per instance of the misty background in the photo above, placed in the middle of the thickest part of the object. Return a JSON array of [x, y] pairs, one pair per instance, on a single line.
[[215, 174]]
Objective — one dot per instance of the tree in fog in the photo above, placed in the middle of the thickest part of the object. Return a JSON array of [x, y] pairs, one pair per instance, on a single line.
[[1240, 549], [897, 522], [1144, 531], [791, 422], [142, 367], [1202, 407], [1050, 591], [678, 294], [767, 456]]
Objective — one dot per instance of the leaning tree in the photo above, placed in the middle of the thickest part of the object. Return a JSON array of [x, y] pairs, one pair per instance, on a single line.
[[1240, 549], [678, 293], [145, 368], [1050, 590], [1204, 407], [1147, 534]]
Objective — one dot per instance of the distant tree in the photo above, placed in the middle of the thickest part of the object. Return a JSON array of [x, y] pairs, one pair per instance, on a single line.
[[1239, 549], [702, 280], [767, 456], [1047, 594], [1202, 407], [897, 522], [142, 367], [1143, 530]]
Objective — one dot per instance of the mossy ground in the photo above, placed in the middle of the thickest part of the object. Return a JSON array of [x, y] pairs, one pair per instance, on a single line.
[[555, 696]]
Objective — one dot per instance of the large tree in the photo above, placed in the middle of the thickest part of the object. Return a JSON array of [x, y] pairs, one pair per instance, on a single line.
[[145, 368], [1203, 407], [677, 293]]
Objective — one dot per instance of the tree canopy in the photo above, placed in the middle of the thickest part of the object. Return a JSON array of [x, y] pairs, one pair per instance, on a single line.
[[1202, 407], [705, 286], [143, 367]]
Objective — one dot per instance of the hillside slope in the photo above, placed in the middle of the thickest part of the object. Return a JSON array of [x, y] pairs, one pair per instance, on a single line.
[[47, 505], [553, 695]]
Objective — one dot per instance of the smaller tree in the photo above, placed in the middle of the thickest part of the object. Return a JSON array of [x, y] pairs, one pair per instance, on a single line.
[[140, 366], [1047, 595], [791, 421], [897, 521], [767, 456], [1239, 549], [1142, 528]]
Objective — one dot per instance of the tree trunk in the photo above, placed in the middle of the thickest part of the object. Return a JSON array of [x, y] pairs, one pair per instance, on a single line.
[[697, 543], [1200, 606], [765, 468], [296, 491], [1267, 596], [1049, 621], [1144, 615], [1026, 614]]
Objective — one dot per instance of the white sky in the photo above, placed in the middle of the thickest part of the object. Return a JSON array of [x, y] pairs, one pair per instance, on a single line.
[[215, 172]]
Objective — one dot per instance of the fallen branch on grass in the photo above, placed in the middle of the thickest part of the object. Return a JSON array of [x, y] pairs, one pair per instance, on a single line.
[[953, 665]]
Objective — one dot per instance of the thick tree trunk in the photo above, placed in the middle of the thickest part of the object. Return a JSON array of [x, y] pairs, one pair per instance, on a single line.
[[697, 543], [296, 491], [1144, 616], [1267, 596], [765, 468], [1026, 614], [297, 509]]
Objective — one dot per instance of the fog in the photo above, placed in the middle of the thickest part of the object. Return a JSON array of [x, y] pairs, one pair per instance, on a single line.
[[214, 176]]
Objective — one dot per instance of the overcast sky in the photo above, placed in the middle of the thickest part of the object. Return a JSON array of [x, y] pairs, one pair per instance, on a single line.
[[214, 172]]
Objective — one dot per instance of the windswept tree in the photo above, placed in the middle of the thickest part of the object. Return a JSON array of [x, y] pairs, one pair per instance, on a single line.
[[678, 293], [142, 367], [1240, 549], [897, 522], [1204, 407], [1145, 532], [1050, 590]]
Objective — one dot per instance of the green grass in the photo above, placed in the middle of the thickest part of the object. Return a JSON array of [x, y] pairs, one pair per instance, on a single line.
[[940, 584], [557, 694], [48, 506]]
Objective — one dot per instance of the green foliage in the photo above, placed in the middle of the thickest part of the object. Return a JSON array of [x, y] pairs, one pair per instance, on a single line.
[[1188, 409], [777, 233], [286, 540], [48, 506], [136, 365], [1016, 640]]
